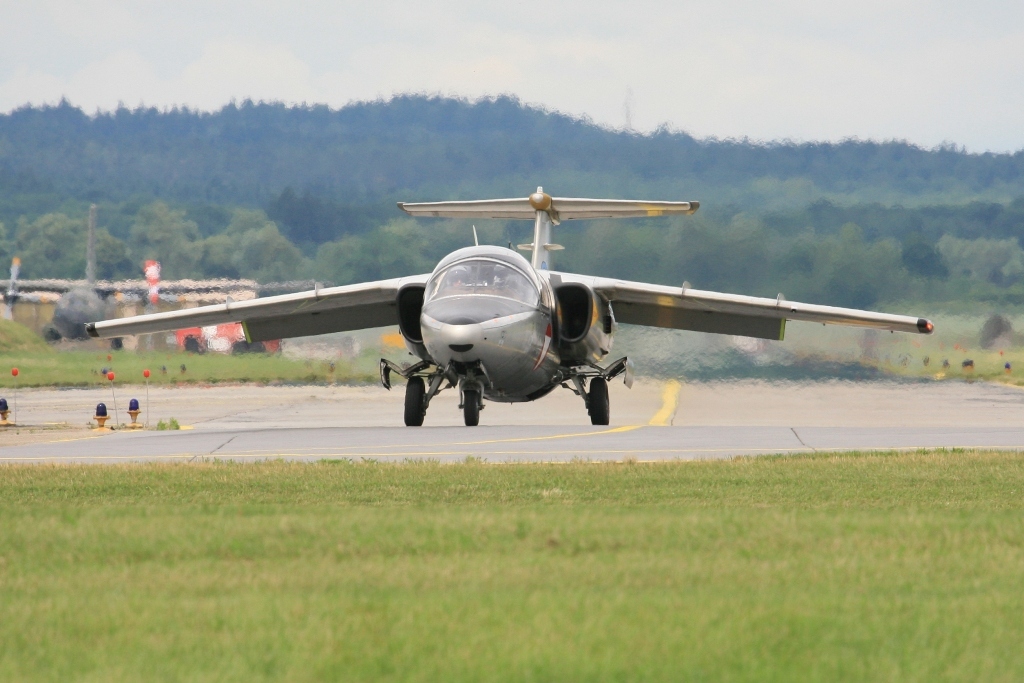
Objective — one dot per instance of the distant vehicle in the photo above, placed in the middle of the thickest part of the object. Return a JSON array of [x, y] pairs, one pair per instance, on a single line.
[[223, 338], [502, 328], [76, 307]]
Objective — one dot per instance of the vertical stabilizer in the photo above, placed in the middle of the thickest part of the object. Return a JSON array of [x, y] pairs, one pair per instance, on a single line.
[[543, 230]]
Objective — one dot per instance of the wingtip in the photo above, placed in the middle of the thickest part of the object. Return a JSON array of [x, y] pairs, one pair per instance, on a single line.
[[401, 205], [694, 206], [925, 326], [90, 329]]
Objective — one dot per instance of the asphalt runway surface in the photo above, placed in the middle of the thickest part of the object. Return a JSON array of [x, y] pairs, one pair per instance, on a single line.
[[653, 421]]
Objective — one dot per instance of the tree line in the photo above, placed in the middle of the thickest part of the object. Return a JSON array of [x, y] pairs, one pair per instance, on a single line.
[[272, 192], [367, 155], [848, 256]]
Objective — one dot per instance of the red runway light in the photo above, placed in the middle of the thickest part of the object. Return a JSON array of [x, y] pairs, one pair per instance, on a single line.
[[145, 373], [14, 372], [110, 376]]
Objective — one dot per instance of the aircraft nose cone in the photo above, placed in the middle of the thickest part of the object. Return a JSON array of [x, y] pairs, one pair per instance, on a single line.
[[461, 338], [456, 342]]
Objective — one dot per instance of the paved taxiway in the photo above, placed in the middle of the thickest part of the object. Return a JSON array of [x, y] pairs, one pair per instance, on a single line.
[[654, 420]]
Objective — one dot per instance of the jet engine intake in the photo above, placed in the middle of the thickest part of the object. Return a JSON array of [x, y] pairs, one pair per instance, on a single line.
[[585, 324], [410, 306]]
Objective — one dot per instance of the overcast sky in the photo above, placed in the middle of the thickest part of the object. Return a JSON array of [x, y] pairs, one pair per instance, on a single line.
[[928, 71]]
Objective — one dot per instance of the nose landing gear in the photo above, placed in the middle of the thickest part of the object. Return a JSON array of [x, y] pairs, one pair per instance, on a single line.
[[471, 407]]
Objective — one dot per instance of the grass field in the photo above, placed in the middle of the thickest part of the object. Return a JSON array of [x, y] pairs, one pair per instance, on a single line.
[[82, 368], [849, 567]]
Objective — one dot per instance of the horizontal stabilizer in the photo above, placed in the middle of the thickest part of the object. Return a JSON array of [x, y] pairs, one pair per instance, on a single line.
[[560, 208]]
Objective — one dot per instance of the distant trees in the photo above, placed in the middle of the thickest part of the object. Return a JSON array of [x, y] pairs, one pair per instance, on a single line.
[[164, 234], [47, 246], [742, 252], [274, 193], [346, 166]]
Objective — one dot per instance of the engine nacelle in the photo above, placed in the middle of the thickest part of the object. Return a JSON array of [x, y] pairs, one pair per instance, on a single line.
[[410, 306], [585, 324]]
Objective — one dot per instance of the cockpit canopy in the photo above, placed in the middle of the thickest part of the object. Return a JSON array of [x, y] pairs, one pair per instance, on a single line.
[[482, 276]]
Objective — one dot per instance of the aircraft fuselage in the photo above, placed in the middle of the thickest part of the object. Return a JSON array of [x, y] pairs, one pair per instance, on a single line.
[[490, 318]]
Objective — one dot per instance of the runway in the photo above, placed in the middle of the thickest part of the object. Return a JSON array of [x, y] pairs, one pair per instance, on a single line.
[[654, 421]]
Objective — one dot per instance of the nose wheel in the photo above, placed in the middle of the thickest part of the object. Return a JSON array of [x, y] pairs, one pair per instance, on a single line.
[[598, 404], [471, 407], [415, 403]]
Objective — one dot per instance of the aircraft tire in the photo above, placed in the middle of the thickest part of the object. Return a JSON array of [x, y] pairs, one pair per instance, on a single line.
[[600, 408], [471, 407], [415, 392]]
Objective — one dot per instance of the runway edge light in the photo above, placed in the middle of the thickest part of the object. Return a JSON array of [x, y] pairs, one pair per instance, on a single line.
[[101, 417], [133, 411]]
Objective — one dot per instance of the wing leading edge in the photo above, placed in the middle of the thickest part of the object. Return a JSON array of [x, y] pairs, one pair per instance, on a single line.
[[320, 311], [680, 308]]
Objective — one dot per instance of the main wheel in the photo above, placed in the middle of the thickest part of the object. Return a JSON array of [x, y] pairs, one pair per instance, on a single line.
[[600, 408], [471, 407], [415, 392]]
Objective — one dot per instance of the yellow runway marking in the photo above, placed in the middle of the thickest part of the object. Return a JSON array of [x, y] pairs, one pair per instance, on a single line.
[[669, 403]]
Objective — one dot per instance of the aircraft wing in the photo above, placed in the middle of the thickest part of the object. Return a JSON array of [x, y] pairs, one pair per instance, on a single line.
[[560, 208], [677, 308], [320, 311]]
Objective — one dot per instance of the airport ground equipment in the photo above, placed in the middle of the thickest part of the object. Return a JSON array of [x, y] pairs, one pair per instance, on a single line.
[[498, 327]]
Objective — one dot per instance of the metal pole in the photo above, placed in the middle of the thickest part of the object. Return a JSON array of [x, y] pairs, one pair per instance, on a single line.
[[117, 420], [147, 403]]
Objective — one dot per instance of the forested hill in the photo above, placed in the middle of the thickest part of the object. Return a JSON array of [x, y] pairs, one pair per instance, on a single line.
[[279, 193], [368, 154]]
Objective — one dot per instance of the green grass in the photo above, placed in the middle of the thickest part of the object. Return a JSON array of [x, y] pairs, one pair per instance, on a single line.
[[82, 368], [16, 338], [850, 567]]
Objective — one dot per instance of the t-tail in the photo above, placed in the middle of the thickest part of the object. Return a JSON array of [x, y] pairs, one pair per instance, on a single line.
[[546, 212]]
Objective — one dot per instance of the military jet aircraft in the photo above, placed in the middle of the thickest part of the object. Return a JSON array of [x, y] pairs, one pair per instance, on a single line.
[[501, 328]]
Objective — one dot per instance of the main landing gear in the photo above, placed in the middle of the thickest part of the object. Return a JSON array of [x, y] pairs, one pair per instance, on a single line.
[[423, 382], [596, 399], [599, 406], [415, 406]]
